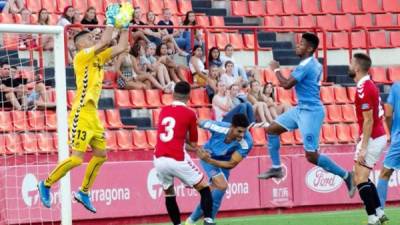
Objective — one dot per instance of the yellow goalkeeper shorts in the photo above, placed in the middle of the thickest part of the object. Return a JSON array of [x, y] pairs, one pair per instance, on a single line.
[[85, 128]]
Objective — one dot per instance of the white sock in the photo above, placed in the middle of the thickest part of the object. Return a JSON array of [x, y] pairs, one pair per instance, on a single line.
[[372, 219], [189, 221], [208, 220], [379, 212]]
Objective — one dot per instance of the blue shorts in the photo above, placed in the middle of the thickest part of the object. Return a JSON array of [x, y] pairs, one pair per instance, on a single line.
[[213, 171], [392, 158], [309, 121]]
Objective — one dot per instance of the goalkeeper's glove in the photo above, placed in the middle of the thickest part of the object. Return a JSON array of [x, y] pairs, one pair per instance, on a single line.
[[111, 12], [124, 17]]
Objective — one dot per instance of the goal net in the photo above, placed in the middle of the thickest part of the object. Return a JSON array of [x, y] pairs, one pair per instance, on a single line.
[[33, 123]]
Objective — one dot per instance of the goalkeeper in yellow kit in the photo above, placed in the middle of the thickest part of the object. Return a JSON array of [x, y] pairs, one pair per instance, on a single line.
[[85, 127]]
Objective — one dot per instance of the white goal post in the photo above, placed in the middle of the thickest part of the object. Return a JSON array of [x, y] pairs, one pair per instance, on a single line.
[[60, 81]]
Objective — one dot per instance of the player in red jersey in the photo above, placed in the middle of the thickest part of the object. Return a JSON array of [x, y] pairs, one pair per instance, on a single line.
[[373, 138], [177, 127]]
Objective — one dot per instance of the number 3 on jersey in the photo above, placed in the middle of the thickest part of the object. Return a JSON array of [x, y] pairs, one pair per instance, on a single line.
[[169, 124]]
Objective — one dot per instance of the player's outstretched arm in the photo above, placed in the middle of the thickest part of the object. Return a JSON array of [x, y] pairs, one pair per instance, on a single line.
[[284, 82], [122, 45], [105, 40], [236, 158]]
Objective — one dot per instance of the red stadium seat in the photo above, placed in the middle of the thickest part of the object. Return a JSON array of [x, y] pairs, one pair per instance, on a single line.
[[291, 7], [198, 97], [166, 99], [143, 4], [343, 133], [287, 138], [45, 142], [358, 40], [274, 7], [211, 40], [54, 19], [51, 120], [341, 95], [29, 142], [35, 5], [248, 41], [217, 21], [391, 5], [50, 5], [205, 113], [256, 8], [13, 143], [379, 75], [363, 20], [344, 22], [236, 41], [350, 6], [19, 120], [113, 118], [285, 96], [340, 40], [371, 6], [333, 114], [102, 117], [297, 137], [258, 134], [328, 134], [7, 18], [173, 6], [354, 130], [122, 99], [111, 138], [36, 120], [138, 98], [394, 73], [329, 6], [202, 136], [124, 139], [378, 39], [351, 93], [153, 97], [70, 98], [310, 7], [3, 150], [221, 39], [151, 136], [81, 5], [184, 6], [286, 71], [5, 124], [139, 139], [98, 5], [202, 20], [155, 114], [385, 20], [349, 113], [327, 95], [61, 5], [306, 21], [289, 21], [327, 22], [394, 38], [269, 76], [156, 6], [273, 21], [10, 41], [110, 78]]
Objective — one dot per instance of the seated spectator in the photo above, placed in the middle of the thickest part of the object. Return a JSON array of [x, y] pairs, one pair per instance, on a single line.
[[222, 102], [238, 70], [166, 21], [152, 65], [12, 6], [190, 20], [67, 17], [77, 17], [90, 17], [212, 81], [214, 58], [269, 96], [26, 40], [126, 76], [44, 19], [137, 16], [197, 67], [228, 78], [155, 35], [260, 107], [239, 105], [174, 69]]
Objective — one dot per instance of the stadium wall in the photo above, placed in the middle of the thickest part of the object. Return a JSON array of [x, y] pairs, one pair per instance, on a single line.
[[130, 189]]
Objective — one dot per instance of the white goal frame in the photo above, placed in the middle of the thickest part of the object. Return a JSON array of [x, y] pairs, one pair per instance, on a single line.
[[62, 127]]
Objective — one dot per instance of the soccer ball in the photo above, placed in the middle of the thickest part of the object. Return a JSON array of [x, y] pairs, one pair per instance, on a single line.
[[124, 17]]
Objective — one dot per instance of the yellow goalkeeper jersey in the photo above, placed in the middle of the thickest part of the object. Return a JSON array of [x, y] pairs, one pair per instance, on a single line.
[[89, 75]]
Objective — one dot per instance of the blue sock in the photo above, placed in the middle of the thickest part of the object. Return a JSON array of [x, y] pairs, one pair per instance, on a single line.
[[274, 144], [382, 191], [327, 164], [217, 195]]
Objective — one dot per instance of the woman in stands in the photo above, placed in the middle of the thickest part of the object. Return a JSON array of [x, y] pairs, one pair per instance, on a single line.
[[222, 101], [190, 20], [270, 98], [228, 78], [67, 17], [260, 107], [197, 67], [44, 19], [90, 17], [155, 35], [165, 58], [238, 70], [211, 87], [214, 58]]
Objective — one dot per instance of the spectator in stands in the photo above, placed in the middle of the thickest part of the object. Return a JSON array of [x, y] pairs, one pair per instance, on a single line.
[[77, 16], [174, 69], [214, 58], [269, 96], [25, 16], [144, 76], [152, 65], [26, 40], [222, 102], [238, 69], [138, 34], [127, 78], [190, 20], [137, 16], [240, 105], [166, 21], [197, 67], [12, 6], [260, 107], [228, 78], [90, 17], [44, 19], [67, 17], [211, 87], [155, 35]]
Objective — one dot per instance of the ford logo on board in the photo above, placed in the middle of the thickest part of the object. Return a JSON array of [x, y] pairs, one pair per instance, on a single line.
[[319, 180]]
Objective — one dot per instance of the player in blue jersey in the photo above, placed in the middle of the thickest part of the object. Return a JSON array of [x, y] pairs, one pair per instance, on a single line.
[[307, 116], [392, 158], [229, 144]]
